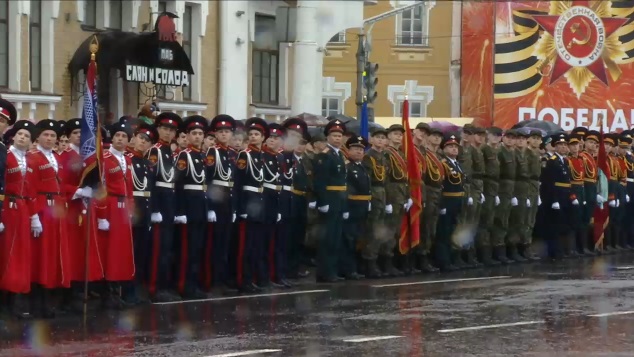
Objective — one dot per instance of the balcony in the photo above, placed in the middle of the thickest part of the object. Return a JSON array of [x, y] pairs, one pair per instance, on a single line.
[[47, 103], [370, 2]]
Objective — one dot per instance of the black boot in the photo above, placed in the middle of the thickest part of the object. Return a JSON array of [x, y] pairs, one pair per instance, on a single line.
[[390, 270], [426, 265], [528, 253], [456, 258], [500, 254], [486, 256], [472, 260], [371, 269], [409, 264], [515, 255]]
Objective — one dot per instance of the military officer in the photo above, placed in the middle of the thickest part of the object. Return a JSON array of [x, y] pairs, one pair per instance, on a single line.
[[249, 179], [577, 241], [330, 191], [161, 281], [508, 171], [534, 173], [359, 198], [8, 116], [610, 141], [624, 143], [448, 250], [519, 212], [628, 224], [221, 203], [191, 207], [593, 198], [376, 164], [397, 196], [491, 198]]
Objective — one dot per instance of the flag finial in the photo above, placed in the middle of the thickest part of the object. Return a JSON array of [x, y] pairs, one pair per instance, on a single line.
[[94, 47]]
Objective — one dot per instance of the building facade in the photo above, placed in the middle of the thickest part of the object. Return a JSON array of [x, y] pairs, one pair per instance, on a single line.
[[414, 51]]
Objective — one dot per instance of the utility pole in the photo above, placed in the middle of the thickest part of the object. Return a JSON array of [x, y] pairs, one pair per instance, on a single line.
[[360, 68]]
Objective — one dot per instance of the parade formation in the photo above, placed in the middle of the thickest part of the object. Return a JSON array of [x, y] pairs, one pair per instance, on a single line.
[[250, 206]]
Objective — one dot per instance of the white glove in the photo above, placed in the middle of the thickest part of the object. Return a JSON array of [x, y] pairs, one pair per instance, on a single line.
[[555, 205], [312, 205], [243, 216], [482, 199], [369, 206], [470, 201], [408, 205], [627, 198], [514, 202], [600, 200], [528, 202], [618, 203], [103, 224], [443, 211], [497, 201], [233, 218], [78, 194], [36, 225], [1, 227], [180, 219], [612, 203], [575, 202], [279, 217], [346, 215], [584, 203], [156, 217], [539, 201], [86, 192], [211, 216], [323, 209], [388, 209]]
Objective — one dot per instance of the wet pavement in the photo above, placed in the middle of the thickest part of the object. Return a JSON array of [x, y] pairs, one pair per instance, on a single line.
[[580, 307]]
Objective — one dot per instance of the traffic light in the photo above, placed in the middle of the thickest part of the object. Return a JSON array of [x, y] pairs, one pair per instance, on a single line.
[[370, 81]]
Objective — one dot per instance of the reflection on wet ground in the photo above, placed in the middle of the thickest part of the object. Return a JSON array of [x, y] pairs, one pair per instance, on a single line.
[[548, 309]]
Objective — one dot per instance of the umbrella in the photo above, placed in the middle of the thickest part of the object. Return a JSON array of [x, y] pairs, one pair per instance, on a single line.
[[354, 126], [312, 119], [548, 126], [527, 130], [444, 126], [341, 117]]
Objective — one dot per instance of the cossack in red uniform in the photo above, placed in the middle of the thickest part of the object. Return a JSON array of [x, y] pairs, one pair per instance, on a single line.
[[15, 240], [50, 262]]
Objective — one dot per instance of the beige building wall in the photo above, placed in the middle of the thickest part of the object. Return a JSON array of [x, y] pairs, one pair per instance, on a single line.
[[420, 71]]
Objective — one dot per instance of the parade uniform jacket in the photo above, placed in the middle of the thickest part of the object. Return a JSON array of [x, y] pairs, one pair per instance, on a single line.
[[556, 185], [613, 180], [286, 163], [143, 182], [271, 185], [3, 162], [491, 170], [359, 193], [629, 168], [50, 253], [522, 175], [453, 187], [189, 185], [330, 180], [508, 170], [116, 247], [590, 175], [534, 170], [219, 178], [465, 158], [477, 173], [576, 166], [303, 177], [397, 186], [435, 173], [376, 165], [248, 184], [18, 207], [161, 159]]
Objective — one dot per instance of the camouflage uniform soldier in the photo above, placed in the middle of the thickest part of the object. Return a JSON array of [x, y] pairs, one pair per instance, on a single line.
[[465, 159], [491, 190], [517, 219], [508, 168], [476, 187], [534, 171]]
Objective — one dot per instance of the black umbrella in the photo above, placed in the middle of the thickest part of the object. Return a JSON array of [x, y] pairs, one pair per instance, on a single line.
[[547, 126], [354, 126], [340, 117]]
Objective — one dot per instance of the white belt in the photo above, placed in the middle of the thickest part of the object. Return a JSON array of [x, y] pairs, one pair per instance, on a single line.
[[164, 184], [252, 189], [194, 187], [271, 186], [630, 179], [141, 194], [222, 183], [286, 188]]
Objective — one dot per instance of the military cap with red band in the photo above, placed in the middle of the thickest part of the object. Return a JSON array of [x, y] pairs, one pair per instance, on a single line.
[[7, 111], [168, 119], [257, 124], [276, 130], [148, 130], [194, 122], [335, 126], [222, 121], [593, 135]]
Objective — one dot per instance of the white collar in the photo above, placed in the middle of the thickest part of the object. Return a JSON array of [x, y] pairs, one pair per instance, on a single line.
[[560, 157], [334, 148], [115, 152], [46, 152], [17, 151], [75, 147], [298, 157]]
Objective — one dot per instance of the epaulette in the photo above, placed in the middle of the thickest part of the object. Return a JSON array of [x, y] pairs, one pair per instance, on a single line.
[[68, 149], [443, 160], [247, 150], [107, 154], [326, 150], [157, 145], [186, 150], [553, 157], [33, 151]]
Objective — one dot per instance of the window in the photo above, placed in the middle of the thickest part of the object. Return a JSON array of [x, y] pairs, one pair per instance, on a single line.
[[116, 14], [90, 15], [187, 43], [265, 61], [4, 44], [35, 45], [416, 109], [411, 25], [338, 38], [162, 7], [329, 106]]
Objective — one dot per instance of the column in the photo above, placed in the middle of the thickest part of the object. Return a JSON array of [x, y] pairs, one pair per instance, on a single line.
[[233, 96], [305, 97]]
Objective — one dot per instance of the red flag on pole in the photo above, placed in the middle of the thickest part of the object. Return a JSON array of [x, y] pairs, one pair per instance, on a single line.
[[410, 226], [601, 216]]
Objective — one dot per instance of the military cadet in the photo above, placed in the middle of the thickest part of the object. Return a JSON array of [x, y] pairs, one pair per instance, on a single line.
[[448, 251], [161, 282], [534, 173], [610, 142], [628, 224], [557, 194], [181, 140], [398, 201], [191, 207], [142, 179], [302, 196], [421, 133], [491, 198], [577, 241], [506, 190], [318, 144], [272, 254], [475, 174], [623, 198], [517, 219], [248, 187], [466, 164], [210, 139], [221, 204], [8, 116], [285, 159], [591, 174], [376, 165], [330, 191]]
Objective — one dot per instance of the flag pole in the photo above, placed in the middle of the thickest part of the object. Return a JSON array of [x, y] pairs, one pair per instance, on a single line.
[[94, 47]]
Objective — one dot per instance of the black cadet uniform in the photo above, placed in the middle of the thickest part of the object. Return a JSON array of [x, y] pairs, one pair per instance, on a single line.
[[8, 113], [251, 209], [220, 205], [283, 230], [162, 208], [629, 166], [356, 214], [191, 211]]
